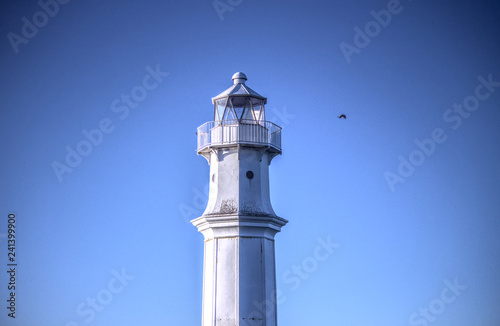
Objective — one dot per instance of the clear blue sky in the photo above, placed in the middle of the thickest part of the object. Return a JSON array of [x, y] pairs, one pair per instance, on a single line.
[[418, 246]]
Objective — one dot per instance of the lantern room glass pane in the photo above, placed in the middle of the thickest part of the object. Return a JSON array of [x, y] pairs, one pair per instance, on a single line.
[[256, 101], [238, 110], [259, 112], [229, 115], [219, 109], [248, 113], [237, 107], [238, 101]]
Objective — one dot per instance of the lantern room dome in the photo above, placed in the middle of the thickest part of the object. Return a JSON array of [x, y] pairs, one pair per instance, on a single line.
[[239, 89]]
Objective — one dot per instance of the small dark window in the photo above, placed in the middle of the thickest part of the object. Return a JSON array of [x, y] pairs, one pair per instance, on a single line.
[[249, 174], [213, 177]]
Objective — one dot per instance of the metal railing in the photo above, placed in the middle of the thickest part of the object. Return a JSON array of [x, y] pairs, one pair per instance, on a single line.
[[228, 132]]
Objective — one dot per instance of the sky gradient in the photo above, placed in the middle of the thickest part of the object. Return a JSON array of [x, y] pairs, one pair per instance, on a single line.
[[405, 189]]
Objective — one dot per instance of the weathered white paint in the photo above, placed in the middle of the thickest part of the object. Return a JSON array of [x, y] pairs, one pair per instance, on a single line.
[[239, 225]]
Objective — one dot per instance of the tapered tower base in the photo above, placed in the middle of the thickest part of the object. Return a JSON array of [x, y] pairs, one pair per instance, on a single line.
[[239, 279]]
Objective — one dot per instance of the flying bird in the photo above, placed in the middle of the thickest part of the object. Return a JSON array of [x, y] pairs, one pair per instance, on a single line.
[[342, 116]]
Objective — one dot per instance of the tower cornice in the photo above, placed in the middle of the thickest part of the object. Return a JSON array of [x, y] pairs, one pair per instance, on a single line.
[[224, 226]]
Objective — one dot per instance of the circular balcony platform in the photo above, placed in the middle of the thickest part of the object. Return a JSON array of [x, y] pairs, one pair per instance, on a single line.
[[227, 133]]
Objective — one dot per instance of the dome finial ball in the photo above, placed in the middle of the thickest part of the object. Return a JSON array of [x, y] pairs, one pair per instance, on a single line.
[[239, 78]]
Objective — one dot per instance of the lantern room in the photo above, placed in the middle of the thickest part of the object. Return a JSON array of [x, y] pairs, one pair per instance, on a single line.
[[239, 103], [239, 120]]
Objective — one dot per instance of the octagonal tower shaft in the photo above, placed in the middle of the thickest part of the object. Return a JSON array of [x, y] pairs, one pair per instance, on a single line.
[[239, 224]]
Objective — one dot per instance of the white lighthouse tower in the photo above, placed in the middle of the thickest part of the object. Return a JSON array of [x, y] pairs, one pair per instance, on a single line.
[[239, 224]]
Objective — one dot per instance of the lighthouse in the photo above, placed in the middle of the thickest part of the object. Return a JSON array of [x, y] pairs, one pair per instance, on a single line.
[[239, 223]]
